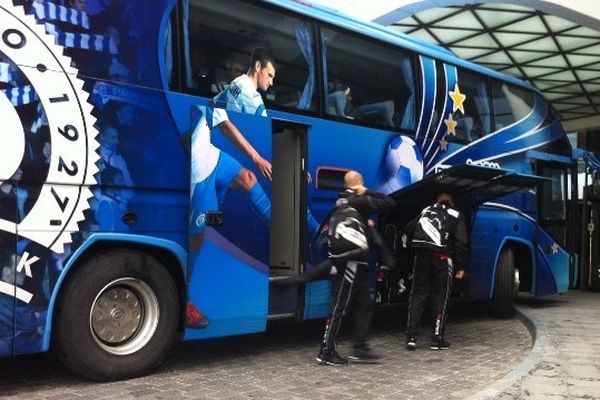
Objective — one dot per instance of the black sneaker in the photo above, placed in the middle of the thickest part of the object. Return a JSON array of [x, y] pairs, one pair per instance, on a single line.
[[439, 344], [411, 343], [330, 357], [364, 356]]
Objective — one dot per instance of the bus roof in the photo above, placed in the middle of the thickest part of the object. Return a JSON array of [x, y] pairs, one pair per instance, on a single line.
[[379, 32]]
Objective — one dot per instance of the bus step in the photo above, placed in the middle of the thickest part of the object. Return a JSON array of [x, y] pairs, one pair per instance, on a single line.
[[279, 278], [274, 317], [284, 280]]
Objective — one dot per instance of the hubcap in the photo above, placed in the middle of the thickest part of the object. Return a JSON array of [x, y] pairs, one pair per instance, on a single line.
[[124, 316]]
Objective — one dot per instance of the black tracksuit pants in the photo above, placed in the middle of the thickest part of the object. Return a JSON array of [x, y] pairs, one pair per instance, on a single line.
[[351, 284], [432, 277]]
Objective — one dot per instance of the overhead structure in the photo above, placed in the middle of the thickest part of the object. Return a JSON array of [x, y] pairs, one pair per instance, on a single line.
[[554, 45]]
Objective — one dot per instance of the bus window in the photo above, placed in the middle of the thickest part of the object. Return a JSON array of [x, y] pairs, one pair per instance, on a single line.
[[553, 202], [367, 81], [220, 44], [477, 118], [511, 103]]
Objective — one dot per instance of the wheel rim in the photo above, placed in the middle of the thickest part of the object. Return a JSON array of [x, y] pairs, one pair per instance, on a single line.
[[124, 316]]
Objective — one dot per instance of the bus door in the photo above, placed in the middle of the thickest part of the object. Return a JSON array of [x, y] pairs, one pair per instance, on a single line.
[[553, 213], [470, 185], [590, 246], [229, 224], [553, 200], [287, 256]]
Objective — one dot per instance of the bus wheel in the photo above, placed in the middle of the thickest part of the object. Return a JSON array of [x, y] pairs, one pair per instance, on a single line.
[[117, 316], [506, 286]]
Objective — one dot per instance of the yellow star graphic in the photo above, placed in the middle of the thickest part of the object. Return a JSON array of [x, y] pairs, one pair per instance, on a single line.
[[451, 125], [443, 145], [457, 99]]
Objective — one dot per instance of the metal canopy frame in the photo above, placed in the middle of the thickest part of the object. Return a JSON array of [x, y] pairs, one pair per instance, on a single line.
[[559, 57]]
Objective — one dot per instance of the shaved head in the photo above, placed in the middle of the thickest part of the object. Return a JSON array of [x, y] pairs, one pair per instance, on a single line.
[[353, 180]]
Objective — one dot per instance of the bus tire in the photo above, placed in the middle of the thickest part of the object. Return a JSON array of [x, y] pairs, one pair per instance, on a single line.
[[503, 301], [117, 316]]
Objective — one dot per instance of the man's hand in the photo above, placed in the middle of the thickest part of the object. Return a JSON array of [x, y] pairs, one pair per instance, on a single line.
[[359, 189], [460, 274], [263, 166]]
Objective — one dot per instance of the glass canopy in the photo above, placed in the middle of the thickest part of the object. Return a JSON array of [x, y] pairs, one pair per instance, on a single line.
[[559, 57]]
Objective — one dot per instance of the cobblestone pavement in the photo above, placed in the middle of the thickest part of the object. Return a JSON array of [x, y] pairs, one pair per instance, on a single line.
[[281, 365], [570, 359]]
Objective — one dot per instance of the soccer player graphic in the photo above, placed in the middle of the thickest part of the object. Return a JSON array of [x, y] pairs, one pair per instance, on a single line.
[[213, 171]]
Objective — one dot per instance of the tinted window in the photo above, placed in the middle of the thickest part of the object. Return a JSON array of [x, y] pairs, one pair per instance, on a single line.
[[330, 178], [553, 202], [222, 34], [367, 81], [511, 103], [476, 121]]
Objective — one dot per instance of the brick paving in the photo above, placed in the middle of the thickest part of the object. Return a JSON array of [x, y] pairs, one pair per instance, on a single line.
[[280, 364], [569, 364]]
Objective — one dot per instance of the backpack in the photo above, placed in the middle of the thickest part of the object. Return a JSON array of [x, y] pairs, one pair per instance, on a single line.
[[433, 228], [347, 234]]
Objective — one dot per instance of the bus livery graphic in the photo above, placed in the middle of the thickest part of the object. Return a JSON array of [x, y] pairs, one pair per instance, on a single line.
[[54, 214], [141, 202]]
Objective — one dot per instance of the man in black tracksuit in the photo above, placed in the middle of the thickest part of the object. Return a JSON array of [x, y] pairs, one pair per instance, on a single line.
[[439, 238], [352, 279]]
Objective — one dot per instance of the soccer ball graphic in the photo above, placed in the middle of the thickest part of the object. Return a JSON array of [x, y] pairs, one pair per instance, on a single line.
[[404, 164]]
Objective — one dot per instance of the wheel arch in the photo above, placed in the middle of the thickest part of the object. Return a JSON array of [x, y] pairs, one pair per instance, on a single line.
[[523, 251], [167, 252]]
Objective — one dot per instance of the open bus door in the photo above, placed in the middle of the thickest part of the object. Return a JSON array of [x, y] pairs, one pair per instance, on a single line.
[[585, 185], [470, 185], [590, 244], [590, 272]]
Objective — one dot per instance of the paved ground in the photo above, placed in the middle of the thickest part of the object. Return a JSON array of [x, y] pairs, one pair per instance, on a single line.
[[568, 365], [281, 365]]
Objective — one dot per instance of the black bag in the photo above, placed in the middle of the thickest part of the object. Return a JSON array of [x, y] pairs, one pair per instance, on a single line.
[[347, 234], [432, 229]]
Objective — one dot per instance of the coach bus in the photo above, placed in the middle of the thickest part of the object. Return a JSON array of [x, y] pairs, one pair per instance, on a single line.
[[130, 220]]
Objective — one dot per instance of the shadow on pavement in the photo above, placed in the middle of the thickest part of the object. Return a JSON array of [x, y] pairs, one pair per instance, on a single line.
[[27, 374]]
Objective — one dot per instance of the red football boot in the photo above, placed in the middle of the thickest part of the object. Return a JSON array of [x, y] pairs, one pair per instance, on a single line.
[[195, 318]]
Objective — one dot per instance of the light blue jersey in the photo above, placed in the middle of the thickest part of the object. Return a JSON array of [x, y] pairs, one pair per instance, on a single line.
[[240, 96], [213, 170]]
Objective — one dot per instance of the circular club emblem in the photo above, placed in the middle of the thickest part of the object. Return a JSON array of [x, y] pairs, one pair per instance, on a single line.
[[65, 194]]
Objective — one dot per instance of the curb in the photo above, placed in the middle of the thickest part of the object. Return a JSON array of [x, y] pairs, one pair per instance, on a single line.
[[537, 330]]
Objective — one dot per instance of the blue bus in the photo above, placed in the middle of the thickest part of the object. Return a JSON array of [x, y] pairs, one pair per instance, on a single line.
[[140, 204]]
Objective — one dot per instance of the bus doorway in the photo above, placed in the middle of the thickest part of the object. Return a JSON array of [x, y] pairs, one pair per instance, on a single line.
[[288, 217], [590, 246], [552, 206]]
